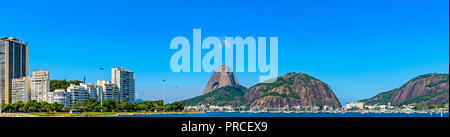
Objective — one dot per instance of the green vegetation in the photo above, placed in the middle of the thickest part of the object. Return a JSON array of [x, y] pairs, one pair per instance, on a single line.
[[427, 107], [276, 94], [88, 114], [424, 98], [62, 84], [280, 81], [319, 104], [438, 83], [384, 97], [228, 95], [93, 106], [32, 106], [436, 75], [286, 81], [306, 78], [113, 106]]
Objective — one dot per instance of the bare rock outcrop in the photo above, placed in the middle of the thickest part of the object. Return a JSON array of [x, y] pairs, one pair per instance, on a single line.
[[425, 85], [292, 89], [427, 89], [222, 76]]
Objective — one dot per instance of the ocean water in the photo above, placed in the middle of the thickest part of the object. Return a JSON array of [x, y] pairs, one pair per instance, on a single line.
[[309, 114]]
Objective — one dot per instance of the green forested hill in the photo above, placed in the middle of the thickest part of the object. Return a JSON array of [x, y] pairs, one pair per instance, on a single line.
[[229, 95], [429, 88], [62, 84]]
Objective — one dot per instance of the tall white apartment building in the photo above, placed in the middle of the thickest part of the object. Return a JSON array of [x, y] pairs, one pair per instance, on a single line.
[[104, 90], [93, 91], [21, 89], [78, 93], [59, 96], [124, 79], [108, 90], [40, 86]]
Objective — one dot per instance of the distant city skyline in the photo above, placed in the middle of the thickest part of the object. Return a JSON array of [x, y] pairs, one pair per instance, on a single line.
[[359, 48]]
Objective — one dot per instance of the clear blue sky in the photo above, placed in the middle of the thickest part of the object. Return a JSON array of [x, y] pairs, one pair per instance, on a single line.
[[360, 48]]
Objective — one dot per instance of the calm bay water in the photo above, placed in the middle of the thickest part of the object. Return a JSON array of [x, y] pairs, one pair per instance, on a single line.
[[319, 114]]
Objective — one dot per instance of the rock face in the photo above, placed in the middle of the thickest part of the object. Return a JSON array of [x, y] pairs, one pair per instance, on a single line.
[[292, 89], [222, 76], [424, 89]]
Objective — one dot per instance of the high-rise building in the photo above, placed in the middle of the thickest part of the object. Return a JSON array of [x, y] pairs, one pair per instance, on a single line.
[[13, 64], [40, 86], [78, 93], [93, 91], [124, 79], [21, 89], [108, 90]]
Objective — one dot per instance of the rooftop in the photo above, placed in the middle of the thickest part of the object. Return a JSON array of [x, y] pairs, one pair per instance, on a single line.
[[122, 69], [13, 39]]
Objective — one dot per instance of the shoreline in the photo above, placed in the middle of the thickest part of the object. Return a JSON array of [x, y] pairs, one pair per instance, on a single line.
[[124, 114], [91, 114]]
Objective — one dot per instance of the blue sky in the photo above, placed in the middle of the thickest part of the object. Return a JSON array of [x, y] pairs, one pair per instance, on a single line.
[[359, 48]]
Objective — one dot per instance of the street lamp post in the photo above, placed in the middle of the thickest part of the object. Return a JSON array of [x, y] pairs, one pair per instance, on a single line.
[[164, 91], [101, 96], [176, 94]]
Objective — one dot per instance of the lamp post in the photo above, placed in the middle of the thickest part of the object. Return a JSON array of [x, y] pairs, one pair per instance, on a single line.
[[101, 96], [176, 93], [164, 91]]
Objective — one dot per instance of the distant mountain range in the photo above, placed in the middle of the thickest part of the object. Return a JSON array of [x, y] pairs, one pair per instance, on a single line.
[[425, 89], [300, 89], [292, 89]]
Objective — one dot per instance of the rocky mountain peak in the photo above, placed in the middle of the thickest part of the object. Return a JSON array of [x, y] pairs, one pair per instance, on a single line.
[[222, 76], [292, 89], [427, 89]]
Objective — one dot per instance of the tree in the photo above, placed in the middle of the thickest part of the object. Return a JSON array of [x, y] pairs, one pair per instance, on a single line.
[[126, 106], [142, 106], [7, 107], [176, 106], [44, 106], [158, 105], [16, 107], [32, 106], [56, 106], [109, 105], [80, 106], [62, 84], [93, 105]]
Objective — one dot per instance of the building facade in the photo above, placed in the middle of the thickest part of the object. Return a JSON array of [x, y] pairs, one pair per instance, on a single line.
[[13, 64], [94, 92], [125, 81], [59, 96], [103, 90], [78, 93], [21, 89], [40, 86], [108, 90], [350, 105]]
